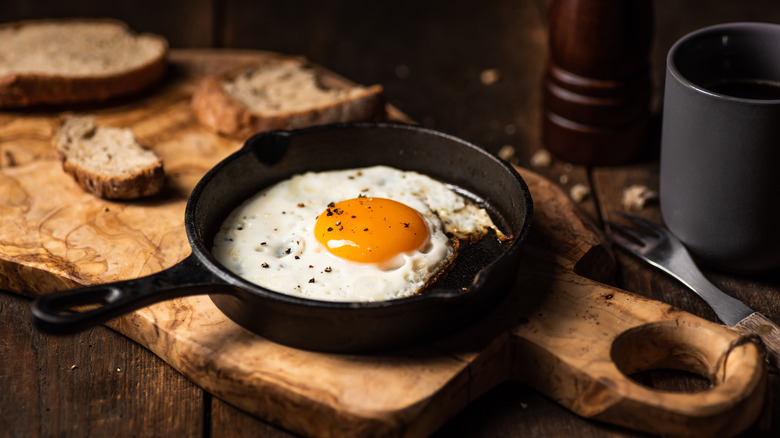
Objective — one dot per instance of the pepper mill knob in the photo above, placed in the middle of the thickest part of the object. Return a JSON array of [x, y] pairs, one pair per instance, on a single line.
[[597, 86]]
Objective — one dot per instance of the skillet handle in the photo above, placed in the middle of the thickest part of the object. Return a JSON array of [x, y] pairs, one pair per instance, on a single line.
[[54, 312], [584, 340]]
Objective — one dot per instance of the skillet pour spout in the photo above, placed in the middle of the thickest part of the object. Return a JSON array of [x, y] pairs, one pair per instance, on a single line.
[[475, 283]]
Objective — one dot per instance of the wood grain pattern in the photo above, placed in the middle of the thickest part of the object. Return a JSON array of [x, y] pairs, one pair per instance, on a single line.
[[371, 41], [42, 198], [184, 24], [763, 327], [756, 292], [554, 331], [57, 365]]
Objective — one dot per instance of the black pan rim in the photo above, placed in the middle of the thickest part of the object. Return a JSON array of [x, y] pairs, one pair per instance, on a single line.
[[203, 254]]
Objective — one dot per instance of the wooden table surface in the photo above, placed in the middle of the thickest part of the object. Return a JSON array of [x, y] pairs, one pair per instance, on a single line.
[[99, 383]]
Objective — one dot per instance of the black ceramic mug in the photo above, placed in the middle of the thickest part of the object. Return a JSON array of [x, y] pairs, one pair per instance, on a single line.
[[720, 146]]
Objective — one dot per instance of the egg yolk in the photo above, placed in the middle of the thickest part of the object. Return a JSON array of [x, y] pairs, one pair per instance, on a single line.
[[370, 230]]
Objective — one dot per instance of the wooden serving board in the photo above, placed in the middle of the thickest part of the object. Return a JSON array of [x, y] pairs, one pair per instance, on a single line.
[[560, 330]]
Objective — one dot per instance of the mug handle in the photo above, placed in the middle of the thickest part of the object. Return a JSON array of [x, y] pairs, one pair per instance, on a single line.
[[55, 312]]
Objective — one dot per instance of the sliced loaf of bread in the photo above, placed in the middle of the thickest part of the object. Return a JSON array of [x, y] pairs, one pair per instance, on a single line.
[[282, 93], [107, 161], [75, 60]]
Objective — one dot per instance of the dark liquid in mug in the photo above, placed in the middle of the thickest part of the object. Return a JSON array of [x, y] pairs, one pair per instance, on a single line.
[[747, 88]]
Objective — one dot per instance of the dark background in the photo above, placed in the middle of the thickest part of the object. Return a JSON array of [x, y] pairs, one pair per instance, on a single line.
[[427, 54]]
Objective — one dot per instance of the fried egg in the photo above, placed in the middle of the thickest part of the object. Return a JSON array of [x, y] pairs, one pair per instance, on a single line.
[[358, 235]]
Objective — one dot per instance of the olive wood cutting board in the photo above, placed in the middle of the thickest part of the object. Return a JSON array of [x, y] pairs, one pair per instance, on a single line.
[[560, 329]]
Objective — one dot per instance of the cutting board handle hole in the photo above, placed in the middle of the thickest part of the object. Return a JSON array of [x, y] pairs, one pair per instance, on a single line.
[[672, 380], [661, 355]]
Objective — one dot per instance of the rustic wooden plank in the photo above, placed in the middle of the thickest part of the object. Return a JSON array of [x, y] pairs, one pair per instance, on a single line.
[[511, 409], [228, 422], [97, 383], [331, 394], [413, 94], [756, 291], [609, 186], [515, 410], [164, 121], [409, 48], [636, 276], [573, 179], [183, 23]]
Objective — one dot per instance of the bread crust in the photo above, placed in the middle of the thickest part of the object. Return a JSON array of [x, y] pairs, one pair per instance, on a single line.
[[18, 90], [147, 182], [216, 109], [144, 182]]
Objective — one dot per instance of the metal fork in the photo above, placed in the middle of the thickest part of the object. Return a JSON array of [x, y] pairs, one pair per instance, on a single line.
[[662, 249]]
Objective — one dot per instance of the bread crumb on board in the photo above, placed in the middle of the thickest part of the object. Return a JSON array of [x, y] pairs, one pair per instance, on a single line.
[[489, 76], [636, 196], [506, 153], [541, 158], [579, 192]]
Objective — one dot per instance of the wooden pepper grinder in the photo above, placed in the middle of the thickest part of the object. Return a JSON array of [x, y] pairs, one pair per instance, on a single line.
[[597, 85]]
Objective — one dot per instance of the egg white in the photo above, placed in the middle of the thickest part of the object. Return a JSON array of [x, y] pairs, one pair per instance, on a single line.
[[269, 239]]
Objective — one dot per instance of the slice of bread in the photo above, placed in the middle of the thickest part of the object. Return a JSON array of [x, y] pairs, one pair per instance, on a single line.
[[282, 93], [107, 161], [75, 60]]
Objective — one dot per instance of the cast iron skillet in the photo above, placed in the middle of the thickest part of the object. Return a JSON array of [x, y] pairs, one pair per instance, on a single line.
[[479, 278]]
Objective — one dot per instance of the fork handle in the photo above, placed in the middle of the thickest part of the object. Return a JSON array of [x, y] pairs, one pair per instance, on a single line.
[[732, 312], [728, 309], [768, 331]]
